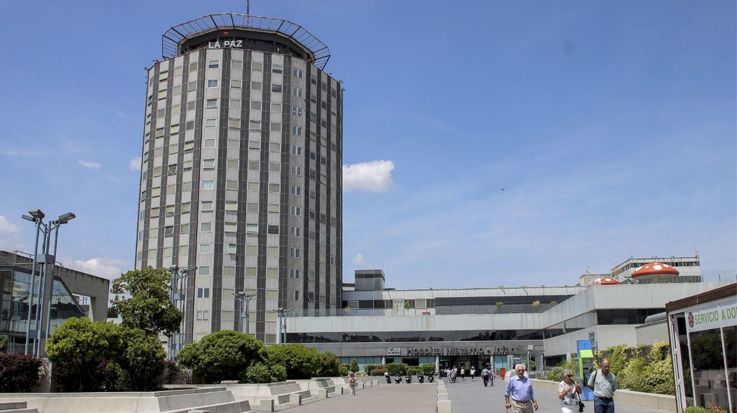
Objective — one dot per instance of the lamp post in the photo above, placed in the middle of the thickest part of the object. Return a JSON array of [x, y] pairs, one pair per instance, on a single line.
[[36, 216], [243, 300], [178, 276], [43, 312], [281, 326]]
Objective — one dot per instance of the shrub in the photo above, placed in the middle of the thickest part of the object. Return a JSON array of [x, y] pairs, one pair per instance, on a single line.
[[695, 409], [354, 366], [556, 374], [413, 370], [3, 344], [81, 352], [221, 355], [259, 372], [378, 371], [329, 365], [18, 373], [396, 369], [343, 370], [300, 361], [172, 373], [143, 360], [427, 369], [368, 367]]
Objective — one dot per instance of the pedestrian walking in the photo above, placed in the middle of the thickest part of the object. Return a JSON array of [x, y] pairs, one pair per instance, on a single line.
[[519, 395], [454, 374], [352, 382], [473, 372], [491, 377], [604, 384], [569, 393], [463, 373], [485, 376]]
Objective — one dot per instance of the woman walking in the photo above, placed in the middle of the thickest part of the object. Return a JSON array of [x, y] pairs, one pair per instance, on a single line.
[[569, 393]]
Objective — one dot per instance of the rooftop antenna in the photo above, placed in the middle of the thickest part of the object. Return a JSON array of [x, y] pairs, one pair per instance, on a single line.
[[248, 7]]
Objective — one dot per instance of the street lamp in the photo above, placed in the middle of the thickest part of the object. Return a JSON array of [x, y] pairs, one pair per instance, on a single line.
[[282, 326], [43, 314], [35, 217], [178, 298], [242, 299]]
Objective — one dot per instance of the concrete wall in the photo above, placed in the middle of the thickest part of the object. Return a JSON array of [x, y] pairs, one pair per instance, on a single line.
[[650, 333]]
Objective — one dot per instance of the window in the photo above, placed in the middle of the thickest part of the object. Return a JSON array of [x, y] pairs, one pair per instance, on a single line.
[[211, 123], [208, 185], [206, 227], [204, 248], [170, 210], [276, 88], [296, 150], [274, 187], [212, 104], [235, 103], [275, 127], [235, 83], [273, 229], [276, 68], [276, 107], [209, 143], [252, 229], [203, 270], [298, 73], [206, 206], [213, 64], [208, 164], [212, 83], [255, 105], [169, 231], [236, 64], [296, 296], [254, 125], [172, 169], [255, 85], [231, 248], [257, 66]]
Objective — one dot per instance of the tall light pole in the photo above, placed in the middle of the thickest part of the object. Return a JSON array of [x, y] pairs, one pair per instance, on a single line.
[[178, 297], [46, 283], [243, 300], [282, 326], [36, 216]]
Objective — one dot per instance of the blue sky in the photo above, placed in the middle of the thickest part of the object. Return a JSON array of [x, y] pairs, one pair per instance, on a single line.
[[522, 142]]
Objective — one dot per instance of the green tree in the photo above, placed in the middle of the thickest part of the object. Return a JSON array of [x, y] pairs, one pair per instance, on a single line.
[[142, 359], [329, 365], [82, 353], [300, 361], [354, 365], [142, 298], [222, 355]]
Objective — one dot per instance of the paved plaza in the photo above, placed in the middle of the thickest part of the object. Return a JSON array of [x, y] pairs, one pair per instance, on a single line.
[[467, 397]]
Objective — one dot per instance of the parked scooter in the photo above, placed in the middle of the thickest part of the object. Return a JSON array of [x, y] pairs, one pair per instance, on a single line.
[[420, 378], [397, 379], [431, 378], [388, 378], [408, 379]]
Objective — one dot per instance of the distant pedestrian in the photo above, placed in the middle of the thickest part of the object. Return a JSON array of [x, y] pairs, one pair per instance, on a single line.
[[485, 376], [352, 382], [569, 393], [454, 374], [519, 394], [491, 377], [604, 384], [463, 374], [473, 372]]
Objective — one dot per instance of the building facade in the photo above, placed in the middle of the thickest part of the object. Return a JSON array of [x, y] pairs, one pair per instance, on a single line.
[[74, 294], [497, 326], [241, 180]]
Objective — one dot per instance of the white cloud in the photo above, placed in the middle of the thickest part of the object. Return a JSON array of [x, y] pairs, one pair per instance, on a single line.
[[135, 164], [10, 238], [374, 176], [101, 267], [90, 164], [359, 260]]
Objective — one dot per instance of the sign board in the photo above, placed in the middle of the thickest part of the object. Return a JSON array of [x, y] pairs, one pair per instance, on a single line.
[[223, 44], [717, 315], [394, 351]]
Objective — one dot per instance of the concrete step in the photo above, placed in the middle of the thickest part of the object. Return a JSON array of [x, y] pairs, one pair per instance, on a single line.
[[227, 407], [24, 410], [13, 405]]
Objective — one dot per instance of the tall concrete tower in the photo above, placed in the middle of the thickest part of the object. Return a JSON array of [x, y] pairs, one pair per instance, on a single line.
[[241, 173]]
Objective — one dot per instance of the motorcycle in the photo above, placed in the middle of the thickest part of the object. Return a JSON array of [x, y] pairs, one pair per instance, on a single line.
[[430, 378], [397, 379], [388, 379], [420, 378], [408, 379]]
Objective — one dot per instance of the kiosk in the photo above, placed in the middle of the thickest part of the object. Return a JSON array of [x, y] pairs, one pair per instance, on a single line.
[[585, 367]]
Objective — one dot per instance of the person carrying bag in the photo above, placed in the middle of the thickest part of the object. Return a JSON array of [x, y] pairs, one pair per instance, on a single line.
[[569, 394]]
